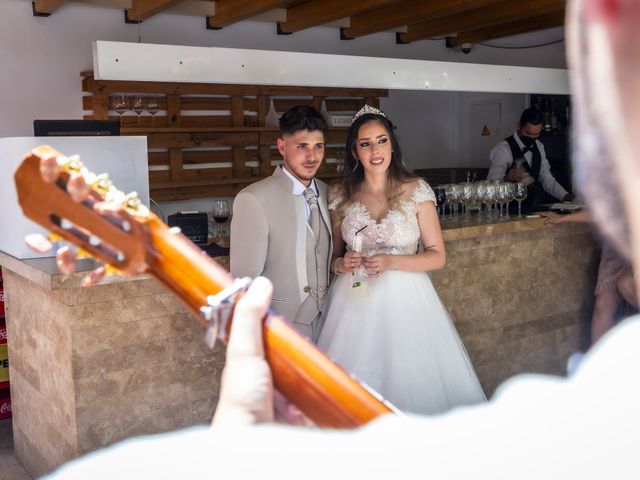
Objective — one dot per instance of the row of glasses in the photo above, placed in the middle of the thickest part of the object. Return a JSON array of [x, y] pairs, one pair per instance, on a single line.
[[494, 195], [121, 103]]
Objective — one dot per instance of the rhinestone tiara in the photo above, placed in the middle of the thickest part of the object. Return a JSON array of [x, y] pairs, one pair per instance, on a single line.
[[367, 109]]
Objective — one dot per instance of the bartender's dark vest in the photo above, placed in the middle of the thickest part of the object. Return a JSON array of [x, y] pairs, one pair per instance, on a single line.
[[535, 192], [517, 152]]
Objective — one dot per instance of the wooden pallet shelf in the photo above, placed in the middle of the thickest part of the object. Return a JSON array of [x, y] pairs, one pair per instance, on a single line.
[[211, 140]]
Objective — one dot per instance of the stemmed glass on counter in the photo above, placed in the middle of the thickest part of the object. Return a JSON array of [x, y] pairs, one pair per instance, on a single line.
[[519, 193], [441, 199], [221, 211], [219, 229]]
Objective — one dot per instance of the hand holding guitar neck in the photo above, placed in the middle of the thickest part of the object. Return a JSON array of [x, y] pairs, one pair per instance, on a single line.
[[85, 209]]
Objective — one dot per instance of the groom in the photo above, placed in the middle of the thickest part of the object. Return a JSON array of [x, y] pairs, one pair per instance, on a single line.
[[280, 227]]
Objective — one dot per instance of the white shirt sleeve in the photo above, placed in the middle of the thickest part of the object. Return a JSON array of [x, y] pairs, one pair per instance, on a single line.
[[500, 158], [546, 179]]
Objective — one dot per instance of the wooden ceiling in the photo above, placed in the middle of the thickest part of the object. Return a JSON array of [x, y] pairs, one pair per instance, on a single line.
[[461, 21]]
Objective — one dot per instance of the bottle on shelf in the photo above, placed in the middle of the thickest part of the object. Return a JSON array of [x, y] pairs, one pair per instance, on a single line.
[[547, 120]]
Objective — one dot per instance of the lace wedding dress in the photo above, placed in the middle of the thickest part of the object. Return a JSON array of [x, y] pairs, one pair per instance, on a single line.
[[393, 332]]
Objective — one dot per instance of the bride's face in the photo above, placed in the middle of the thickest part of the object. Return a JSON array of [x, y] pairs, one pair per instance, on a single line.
[[373, 148]]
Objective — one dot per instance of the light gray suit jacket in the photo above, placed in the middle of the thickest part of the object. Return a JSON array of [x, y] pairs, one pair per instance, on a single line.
[[269, 238]]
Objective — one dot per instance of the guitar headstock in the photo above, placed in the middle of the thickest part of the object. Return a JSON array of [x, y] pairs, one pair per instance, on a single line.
[[117, 235]]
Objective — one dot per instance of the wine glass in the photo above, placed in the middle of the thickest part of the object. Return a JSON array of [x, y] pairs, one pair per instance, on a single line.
[[138, 104], [440, 199], [220, 211], [120, 104], [508, 194], [490, 198], [467, 197], [520, 193], [153, 107], [450, 198]]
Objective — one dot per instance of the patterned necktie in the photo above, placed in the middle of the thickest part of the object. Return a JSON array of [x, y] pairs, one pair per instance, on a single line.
[[314, 219]]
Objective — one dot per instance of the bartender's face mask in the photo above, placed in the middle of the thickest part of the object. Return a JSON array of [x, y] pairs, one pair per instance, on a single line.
[[528, 133], [594, 161]]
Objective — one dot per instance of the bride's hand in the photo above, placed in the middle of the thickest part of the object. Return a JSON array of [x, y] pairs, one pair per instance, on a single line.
[[376, 265], [350, 262]]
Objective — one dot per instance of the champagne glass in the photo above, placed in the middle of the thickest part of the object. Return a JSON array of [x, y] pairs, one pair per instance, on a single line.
[[153, 107], [520, 193], [138, 104], [120, 104]]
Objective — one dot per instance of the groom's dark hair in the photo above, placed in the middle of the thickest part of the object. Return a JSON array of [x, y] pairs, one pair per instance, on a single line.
[[302, 117]]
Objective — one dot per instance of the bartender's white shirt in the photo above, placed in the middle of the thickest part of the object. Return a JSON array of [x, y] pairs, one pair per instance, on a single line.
[[501, 159]]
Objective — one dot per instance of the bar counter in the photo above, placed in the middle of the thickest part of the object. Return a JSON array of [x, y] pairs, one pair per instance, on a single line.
[[90, 367], [520, 294], [93, 366]]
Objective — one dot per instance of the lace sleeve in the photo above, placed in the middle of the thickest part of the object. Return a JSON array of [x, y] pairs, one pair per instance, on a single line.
[[423, 193], [335, 197], [333, 203]]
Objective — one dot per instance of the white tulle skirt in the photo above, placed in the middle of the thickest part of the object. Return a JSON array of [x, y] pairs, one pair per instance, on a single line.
[[397, 337]]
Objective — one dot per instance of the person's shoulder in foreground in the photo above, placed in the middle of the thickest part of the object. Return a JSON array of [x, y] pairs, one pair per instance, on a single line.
[[535, 427]]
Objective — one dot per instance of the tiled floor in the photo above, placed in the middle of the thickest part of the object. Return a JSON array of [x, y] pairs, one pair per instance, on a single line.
[[10, 468]]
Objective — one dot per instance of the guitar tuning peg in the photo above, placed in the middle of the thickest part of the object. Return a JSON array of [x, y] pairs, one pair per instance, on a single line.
[[81, 254], [132, 200], [103, 184], [72, 163], [54, 237]]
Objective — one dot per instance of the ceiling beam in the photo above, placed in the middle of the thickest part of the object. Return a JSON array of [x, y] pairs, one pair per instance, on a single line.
[[142, 9], [507, 11], [45, 7], [228, 12], [406, 13], [508, 29], [313, 13]]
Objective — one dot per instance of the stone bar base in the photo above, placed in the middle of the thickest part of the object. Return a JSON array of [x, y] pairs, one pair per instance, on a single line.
[[93, 366], [520, 294]]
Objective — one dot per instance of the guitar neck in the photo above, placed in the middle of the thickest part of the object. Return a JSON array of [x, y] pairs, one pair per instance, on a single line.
[[325, 393]]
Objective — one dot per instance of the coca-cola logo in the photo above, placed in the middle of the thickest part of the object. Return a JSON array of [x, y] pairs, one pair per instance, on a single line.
[[5, 407], [1, 295], [3, 333]]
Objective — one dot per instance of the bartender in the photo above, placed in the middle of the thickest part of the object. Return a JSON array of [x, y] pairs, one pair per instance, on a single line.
[[521, 158]]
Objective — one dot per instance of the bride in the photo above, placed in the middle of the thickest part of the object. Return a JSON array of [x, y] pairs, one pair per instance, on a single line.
[[384, 322]]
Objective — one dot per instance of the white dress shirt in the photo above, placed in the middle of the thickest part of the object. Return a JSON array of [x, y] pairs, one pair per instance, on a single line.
[[501, 159], [299, 188]]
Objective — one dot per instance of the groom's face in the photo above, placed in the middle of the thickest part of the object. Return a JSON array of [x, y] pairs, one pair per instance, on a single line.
[[302, 152]]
